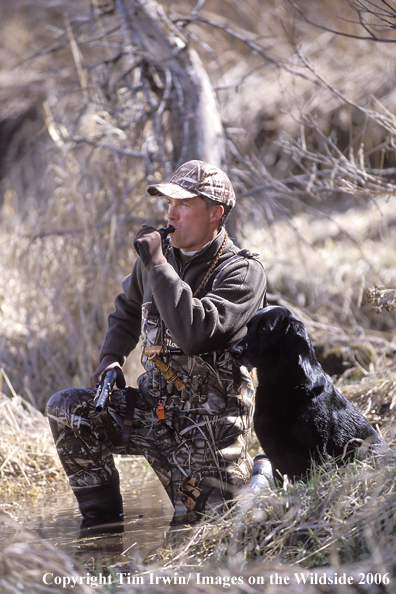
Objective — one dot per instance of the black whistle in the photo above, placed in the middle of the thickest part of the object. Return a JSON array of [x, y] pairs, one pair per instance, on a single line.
[[164, 231]]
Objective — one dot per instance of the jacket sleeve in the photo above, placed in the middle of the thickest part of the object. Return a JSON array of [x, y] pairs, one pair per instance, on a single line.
[[124, 324], [217, 320]]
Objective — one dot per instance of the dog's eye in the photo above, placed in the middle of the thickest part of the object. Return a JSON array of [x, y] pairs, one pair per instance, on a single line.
[[263, 330]]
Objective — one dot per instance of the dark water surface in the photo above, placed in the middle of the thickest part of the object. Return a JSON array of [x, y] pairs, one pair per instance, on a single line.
[[148, 513]]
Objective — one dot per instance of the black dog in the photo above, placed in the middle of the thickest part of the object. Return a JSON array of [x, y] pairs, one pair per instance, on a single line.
[[300, 417]]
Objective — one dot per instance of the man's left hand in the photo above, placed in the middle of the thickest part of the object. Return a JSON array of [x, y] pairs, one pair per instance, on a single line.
[[148, 244]]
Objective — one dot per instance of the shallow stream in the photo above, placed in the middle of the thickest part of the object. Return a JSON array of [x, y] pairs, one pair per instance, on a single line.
[[148, 514]]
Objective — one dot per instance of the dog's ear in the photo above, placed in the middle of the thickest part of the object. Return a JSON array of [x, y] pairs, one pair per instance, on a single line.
[[295, 340]]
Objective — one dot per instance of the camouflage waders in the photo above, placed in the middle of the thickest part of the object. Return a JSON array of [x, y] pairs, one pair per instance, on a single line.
[[198, 450]]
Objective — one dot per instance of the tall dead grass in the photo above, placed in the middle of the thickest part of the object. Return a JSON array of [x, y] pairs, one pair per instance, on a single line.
[[29, 465], [340, 517], [66, 259]]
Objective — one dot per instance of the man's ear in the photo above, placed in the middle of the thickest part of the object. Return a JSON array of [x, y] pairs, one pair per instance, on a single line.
[[295, 341], [216, 213]]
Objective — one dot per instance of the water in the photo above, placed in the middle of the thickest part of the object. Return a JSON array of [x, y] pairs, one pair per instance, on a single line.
[[148, 513]]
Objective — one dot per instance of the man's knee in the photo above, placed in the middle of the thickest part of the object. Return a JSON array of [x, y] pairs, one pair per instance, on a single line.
[[54, 402], [67, 407], [60, 401]]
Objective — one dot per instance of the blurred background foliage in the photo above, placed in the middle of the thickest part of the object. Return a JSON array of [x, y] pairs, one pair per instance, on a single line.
[[98, 98]]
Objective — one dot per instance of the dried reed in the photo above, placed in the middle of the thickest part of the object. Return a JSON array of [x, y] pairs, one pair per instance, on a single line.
[[341, 517], [29, 465]]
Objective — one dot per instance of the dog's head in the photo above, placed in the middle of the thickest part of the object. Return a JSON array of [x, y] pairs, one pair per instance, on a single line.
[[273, 333]]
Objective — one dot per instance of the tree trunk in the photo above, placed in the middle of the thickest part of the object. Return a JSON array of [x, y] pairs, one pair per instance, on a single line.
[[195, 126]]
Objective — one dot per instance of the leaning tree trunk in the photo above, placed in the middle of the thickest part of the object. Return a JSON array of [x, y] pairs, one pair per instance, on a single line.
[[133, 96], [187, 110]]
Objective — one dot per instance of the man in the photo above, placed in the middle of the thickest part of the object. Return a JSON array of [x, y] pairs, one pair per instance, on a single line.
[[191, 415]]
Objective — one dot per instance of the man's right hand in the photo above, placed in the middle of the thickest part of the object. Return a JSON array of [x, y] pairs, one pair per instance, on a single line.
[[148, 244], [108, 362]]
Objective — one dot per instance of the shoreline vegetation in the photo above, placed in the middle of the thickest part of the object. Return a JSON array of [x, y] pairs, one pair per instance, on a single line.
[[336, 530], [297, 100]]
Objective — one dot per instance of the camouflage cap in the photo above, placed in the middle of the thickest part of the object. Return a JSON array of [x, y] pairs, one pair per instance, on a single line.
[[197, 178]]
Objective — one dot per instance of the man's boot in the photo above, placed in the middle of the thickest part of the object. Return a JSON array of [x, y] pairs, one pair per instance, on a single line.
[[101, 505]]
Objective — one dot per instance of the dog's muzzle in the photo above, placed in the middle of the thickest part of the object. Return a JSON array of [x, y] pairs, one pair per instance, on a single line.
[[237, 351]]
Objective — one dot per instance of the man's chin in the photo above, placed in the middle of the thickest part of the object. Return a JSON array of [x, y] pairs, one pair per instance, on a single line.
[[176, 242]]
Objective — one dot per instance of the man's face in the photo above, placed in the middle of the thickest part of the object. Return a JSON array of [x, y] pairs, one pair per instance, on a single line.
[[195, 225]]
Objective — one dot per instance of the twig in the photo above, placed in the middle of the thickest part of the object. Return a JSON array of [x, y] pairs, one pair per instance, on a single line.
[[381, 297]]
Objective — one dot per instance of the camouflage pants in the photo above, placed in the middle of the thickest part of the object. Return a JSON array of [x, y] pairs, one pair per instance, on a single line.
[[196, 456]]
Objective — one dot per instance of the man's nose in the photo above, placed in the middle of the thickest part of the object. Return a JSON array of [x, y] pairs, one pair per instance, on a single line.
[[172, 212]]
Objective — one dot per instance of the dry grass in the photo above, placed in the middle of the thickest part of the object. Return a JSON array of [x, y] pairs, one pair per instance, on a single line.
[[29, 465], [73, 196], [341, 523], [340, 517], [23, 565]]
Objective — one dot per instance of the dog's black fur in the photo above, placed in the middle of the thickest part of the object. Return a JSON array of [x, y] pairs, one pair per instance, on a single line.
[[299, 417]]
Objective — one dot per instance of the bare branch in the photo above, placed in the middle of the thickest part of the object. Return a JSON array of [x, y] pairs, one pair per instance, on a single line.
[[246, 38], [386, 20]]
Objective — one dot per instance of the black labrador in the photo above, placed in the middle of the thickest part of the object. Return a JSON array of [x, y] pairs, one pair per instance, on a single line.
[[299, 417]]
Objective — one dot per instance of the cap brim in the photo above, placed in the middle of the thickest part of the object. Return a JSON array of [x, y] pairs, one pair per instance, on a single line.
[[170, 190]]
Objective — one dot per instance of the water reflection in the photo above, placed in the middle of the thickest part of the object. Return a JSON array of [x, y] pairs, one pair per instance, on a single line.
[[148, 513]]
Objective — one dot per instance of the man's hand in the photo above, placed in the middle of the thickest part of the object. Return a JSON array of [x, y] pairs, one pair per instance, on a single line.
[[148, 244], [108, 362]]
